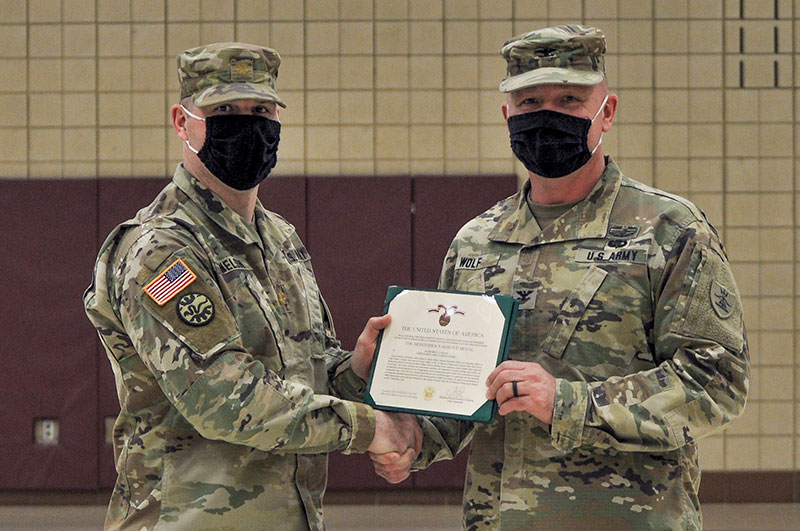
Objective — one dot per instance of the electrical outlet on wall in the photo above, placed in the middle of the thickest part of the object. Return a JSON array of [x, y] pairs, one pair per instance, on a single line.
[[45, 432]]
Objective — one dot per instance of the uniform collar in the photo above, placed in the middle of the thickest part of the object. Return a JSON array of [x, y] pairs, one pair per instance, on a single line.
[[216, 209], [587, 219]]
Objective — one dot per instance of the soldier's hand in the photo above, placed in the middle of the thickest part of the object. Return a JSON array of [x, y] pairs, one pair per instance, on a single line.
[[365, 345], [394, 467], [535, 389], [398, 434]]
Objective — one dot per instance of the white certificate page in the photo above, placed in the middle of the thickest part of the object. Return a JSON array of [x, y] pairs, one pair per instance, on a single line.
[[437, 352]]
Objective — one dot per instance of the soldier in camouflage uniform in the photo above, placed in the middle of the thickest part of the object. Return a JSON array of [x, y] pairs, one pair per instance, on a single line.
[[232, 385], [629, 344]]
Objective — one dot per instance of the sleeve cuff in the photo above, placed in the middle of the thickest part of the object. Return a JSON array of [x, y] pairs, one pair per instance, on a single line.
[[347, 383], [434, 446], [569, 414], [362, 428]]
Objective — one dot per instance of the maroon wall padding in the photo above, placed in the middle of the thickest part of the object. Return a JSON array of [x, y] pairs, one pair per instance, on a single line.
[[355, 472], [117, 201], [359, 236], [287, 197], [444, 474], [365, 219], [442, 206], [358, 229], [750, 486], [48, 350], [120, 199]]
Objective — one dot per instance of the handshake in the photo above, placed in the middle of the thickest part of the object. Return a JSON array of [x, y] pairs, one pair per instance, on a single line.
[[397, 442], [398, 437]]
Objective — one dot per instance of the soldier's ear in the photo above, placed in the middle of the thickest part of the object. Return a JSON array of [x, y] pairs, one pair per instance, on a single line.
[[609, 111], [179, 122]]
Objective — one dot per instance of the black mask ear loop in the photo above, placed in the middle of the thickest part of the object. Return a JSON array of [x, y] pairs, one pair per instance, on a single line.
[[192, 115]]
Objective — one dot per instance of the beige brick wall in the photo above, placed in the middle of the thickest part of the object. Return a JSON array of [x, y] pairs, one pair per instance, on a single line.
[[708, 110]]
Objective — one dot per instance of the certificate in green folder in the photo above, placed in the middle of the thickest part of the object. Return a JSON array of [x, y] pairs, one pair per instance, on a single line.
[[435, 356]]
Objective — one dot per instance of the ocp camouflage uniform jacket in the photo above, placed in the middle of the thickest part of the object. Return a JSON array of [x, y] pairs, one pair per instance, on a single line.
[[628, 300], [228, 389]]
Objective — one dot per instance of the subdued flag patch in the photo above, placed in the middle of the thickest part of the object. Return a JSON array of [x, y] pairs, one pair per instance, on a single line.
[[170, 282]]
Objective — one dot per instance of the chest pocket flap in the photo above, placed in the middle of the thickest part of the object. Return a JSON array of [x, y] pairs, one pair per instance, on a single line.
[[572, 310]]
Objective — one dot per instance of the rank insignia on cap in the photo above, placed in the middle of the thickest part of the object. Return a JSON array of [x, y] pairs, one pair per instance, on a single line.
[[241, 70], [195, 309], [170, 282]]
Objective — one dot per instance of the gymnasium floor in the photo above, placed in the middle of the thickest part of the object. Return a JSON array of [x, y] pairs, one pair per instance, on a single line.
[[376, 517]]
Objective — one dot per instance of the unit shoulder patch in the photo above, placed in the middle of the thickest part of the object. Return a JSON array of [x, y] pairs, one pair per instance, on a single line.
[[195, 309], [722, 300]]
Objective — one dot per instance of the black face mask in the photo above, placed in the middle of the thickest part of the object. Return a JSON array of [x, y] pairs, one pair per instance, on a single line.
[[239, 149], [551, 144]]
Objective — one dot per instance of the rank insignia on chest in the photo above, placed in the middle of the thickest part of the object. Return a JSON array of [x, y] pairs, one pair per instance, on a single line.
[[170, 282], [526, 298]]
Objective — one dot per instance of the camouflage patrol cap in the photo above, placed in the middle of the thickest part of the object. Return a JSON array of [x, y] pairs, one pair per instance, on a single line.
[[226, 71], [571, 54]]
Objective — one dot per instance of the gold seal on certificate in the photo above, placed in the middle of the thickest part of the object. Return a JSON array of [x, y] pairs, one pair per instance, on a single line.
[[435, 356]]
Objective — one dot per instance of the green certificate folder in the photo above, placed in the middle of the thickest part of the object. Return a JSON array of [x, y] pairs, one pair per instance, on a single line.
[[435, 356]]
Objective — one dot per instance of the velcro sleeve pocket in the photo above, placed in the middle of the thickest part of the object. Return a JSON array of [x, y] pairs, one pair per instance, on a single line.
[[714, 309], [195, 313]]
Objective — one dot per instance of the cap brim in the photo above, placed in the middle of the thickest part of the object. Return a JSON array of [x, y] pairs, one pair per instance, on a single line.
[[550, 76], [236, 91]]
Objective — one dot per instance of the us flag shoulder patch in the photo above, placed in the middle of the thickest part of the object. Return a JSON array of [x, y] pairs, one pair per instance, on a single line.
[[169, 283]]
